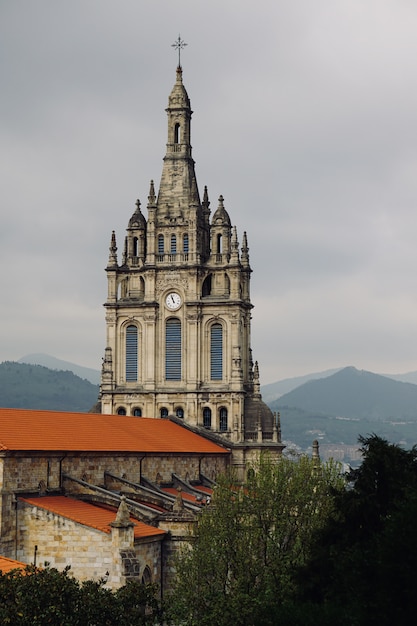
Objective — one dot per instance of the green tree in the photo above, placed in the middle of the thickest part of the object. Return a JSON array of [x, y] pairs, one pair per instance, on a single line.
[[48, 596], [249, 541], [364, 560]]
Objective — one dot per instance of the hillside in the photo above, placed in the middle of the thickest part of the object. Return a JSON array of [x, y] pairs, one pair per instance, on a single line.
[[53, 363], [339, 408], [25, 386]]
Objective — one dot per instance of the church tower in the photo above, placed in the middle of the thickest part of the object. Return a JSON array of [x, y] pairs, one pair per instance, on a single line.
[[178, 309]]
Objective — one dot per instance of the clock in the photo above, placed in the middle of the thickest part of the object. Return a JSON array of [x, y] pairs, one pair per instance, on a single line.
[[173, 301]]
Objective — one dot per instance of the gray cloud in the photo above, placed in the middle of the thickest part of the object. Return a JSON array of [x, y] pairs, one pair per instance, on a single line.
[[305, 120]]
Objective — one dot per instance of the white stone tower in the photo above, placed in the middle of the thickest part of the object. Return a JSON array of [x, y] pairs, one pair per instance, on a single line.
[[178, 310]]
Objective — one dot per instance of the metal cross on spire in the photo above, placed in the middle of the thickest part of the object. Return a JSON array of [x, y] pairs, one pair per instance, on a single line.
[[179, 45]]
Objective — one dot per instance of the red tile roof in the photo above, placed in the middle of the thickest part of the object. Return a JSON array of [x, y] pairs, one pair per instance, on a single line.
[[22, 429], [173, 491], [6, 565], [88, 514]]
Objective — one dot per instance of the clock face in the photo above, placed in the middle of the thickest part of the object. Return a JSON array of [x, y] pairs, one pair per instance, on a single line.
[[173, 301]]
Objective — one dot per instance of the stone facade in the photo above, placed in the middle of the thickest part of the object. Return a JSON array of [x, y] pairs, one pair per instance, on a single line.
[[178, 310], [116, 554]]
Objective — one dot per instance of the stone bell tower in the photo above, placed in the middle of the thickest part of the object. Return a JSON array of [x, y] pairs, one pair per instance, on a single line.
[[178, 309]]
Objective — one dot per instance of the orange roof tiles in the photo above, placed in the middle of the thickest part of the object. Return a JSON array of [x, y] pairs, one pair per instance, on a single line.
[[185, 495], [6, 565], [88, 514], [23, 429]]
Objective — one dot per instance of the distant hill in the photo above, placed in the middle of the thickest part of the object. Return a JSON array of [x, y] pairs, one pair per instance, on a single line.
[[272, 391], [57, 364], [346, 404], [25, 386]]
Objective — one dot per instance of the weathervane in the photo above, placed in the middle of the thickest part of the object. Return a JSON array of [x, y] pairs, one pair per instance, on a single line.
[[179, 45]]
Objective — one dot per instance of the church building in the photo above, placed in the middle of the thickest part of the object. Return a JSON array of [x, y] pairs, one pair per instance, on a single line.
[[178, 310]]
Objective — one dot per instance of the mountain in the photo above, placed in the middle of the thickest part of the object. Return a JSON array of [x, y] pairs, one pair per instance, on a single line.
[[272, 391], [57, 364], [349, 403], [25, 386]]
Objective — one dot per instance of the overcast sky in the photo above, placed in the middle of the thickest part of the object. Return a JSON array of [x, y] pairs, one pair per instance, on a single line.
[[304, 119]]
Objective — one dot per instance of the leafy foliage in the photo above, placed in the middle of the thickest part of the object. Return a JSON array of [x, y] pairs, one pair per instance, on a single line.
[[364, 560], [250, 540], [24, 386], [47, 596]]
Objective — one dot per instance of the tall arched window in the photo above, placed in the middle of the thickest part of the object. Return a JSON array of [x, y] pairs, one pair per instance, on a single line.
[[173, 349], [173, 244], [161, 244], [131, 353], [185, 243], [207, 417], [177, 133], [223, 419], [216, 352]]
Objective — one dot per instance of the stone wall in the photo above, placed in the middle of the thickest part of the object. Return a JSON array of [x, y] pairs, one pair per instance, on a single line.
[[92, 554]]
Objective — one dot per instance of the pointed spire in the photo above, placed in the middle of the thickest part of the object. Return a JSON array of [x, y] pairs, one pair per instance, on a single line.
[[234, 257], [124, 258], [256, 380], [245, 250], [112, 251], [151, 197], [122, 519]]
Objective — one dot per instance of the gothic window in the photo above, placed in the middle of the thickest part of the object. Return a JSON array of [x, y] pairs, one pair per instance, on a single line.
[[121, 411], [173, 244], [131, 353], [206, 290], [137, 412], [163, 412], [146, 576], [223, 419], [161, 247], [179, 412], [207, 417], [173, 349], [216, 352], [185, 243], [177, 133]]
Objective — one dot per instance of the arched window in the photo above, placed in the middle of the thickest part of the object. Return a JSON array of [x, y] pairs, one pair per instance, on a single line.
[[177, 133], [207, 417], [146, 576], [206, 289], [121, 410], [173, 244], [173, 349], [223, 419], [219, 244], [161, 247], [135, 246], [163, 412], [137, 412], [179, 412], [216, 352], [185, 243], [131, 353]]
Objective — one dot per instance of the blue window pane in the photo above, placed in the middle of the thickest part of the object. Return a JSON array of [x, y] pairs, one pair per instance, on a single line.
[[223, 419], [216, 352], [207, 417], [185, 244], [173, 244], [173, 349], [160, 244], [131, 353]]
